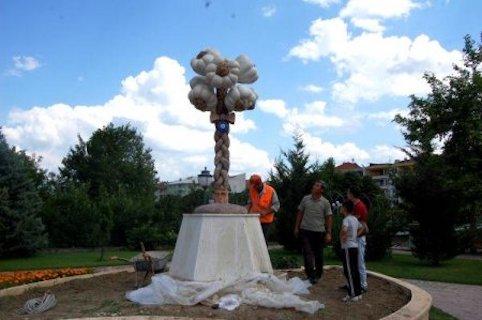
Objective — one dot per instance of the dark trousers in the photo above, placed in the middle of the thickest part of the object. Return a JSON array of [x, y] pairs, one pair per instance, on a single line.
[[312, 244], [265, 227], [352, 274]]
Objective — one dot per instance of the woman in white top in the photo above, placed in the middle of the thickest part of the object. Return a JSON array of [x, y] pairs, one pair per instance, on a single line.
[[350, 229]]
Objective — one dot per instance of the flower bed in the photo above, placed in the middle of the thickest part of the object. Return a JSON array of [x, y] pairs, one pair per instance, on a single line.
[[8, 279]]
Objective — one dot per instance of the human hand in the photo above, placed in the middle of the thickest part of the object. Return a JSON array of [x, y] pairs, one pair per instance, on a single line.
[[265, 212], [296, 232], [328, 238]]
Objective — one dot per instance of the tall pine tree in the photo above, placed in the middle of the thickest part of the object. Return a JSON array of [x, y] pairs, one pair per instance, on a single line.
[[21, 229], [292, 178]]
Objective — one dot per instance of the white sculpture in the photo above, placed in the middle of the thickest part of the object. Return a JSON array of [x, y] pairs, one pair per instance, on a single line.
[[217, 89]]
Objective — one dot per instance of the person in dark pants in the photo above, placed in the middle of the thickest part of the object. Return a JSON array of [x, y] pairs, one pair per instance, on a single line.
[[350, 228], [313, 227]]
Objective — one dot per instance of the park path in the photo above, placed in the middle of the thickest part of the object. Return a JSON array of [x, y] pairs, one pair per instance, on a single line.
[[477, 257], [462, 301]]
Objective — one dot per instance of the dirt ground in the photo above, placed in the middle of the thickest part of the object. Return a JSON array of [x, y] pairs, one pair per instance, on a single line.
[[104, 296]]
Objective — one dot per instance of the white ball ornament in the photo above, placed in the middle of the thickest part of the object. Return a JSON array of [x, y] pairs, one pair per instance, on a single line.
[[247, 70], [223, 74], [240, 98], [205, 57], [202, 97]]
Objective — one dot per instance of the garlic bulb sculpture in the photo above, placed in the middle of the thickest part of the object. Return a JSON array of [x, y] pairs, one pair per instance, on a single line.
[[202, 95], [217, 89], [240, 98]]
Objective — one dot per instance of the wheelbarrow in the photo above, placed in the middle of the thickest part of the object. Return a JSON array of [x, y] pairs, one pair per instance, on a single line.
[[148, 263]]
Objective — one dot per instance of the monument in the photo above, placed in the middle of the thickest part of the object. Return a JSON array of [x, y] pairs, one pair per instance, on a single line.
[[221, 240], [221, 254]]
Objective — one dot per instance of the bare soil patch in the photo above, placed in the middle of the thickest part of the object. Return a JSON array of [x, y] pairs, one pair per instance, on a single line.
[[105, 296]]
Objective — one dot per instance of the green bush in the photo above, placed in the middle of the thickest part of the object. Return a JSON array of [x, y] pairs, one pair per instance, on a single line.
[[72, 218], [285, 262], [149, 234], [431, 199], [381, 230], [22, 232]]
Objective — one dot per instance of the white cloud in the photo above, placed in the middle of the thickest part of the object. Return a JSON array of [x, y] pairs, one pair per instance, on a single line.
[[268, 11], [348, 151], [323, 150], [273, 106], [386, 117], [384, 153], [328, 36], [371, 65], [23, 64], [372, 25], [378, 8], [313, 115], [322, 3], [313, 88], [155, 102]]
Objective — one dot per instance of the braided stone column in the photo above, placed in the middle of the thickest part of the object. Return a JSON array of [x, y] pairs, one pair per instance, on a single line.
[[221, 160]]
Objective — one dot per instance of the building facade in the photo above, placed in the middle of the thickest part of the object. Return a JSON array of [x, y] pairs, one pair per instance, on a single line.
[[381, 173], [182, 187]]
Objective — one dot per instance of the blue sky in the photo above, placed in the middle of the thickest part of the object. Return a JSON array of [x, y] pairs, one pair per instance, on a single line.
[[335, 71]]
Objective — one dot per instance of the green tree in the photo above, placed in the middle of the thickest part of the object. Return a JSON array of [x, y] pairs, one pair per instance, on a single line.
[[21, 229], [452, 115], [118, 172], [292, 178], [432, 200], [71, 217], [113, 159]]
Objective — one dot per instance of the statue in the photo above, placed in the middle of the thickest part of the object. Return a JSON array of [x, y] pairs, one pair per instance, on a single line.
[[217, 90]]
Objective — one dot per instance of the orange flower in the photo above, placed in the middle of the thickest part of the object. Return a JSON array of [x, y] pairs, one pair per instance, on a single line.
[[18, 277]]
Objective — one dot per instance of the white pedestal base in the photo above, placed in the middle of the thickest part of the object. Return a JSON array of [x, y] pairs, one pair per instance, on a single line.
[[214, 247]]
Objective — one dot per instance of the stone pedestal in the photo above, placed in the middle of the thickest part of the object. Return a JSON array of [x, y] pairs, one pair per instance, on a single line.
[[214, 247]]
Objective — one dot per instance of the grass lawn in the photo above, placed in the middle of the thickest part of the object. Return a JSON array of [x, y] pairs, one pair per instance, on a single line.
[[406, 266], [398, 265], [437, 314], [65, 259]]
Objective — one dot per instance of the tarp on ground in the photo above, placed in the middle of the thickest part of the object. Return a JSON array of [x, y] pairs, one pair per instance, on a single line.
[[264, 290]]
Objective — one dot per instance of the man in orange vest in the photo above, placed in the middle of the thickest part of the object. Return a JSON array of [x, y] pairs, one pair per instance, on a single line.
[[262, 200]]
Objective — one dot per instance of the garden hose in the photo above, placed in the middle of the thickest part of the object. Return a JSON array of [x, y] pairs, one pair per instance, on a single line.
[[39, 305]]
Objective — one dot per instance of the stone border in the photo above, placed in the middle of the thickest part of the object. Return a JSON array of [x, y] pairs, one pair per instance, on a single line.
[[144, 318], [417, 308]]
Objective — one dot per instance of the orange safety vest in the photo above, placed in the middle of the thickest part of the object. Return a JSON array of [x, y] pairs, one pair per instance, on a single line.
[[262, 202]]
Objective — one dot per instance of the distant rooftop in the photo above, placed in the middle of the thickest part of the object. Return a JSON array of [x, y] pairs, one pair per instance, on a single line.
[[348, 166]]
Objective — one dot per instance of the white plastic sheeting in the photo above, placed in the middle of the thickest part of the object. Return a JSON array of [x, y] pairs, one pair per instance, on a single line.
[[264, 290]]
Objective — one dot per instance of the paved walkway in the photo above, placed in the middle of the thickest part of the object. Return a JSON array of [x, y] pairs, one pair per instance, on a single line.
[[460, 300], [460, 256]]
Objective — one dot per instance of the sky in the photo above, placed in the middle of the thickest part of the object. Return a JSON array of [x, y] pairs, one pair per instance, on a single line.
[[334, 71]]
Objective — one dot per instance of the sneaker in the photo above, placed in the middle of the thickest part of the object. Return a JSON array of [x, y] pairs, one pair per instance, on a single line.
[[364, 290], [347, 298], [355, 299], [313, 281], [343, 287]]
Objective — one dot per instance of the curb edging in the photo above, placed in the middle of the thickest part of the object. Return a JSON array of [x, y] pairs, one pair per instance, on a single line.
[[417, 308]]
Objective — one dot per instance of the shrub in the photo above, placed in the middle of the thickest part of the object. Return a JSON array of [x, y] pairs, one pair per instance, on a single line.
[[431, 199], [147, 233], [381, 230], [285, 262], [21, 228]]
